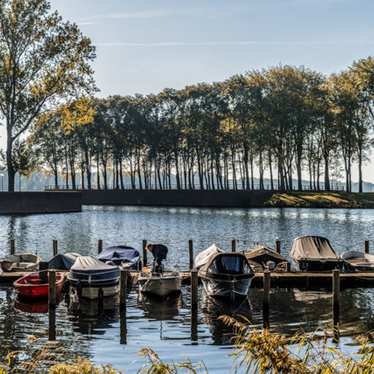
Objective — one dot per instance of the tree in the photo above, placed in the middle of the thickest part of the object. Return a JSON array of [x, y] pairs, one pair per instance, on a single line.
[[43, 62]]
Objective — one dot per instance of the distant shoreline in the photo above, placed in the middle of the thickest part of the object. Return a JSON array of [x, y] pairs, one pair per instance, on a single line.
[[229, 199]]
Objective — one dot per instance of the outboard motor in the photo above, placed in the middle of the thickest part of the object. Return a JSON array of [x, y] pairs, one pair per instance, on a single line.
[[159, 252]]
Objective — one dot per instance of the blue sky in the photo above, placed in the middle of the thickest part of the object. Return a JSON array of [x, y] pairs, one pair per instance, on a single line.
[[146, 45]]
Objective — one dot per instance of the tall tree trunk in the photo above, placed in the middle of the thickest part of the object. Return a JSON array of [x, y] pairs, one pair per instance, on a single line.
[[327, 173]]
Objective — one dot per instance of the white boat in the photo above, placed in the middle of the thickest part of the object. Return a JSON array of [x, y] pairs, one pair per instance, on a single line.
[[160, 284], [226, 275], [20, 262], [358, 261]]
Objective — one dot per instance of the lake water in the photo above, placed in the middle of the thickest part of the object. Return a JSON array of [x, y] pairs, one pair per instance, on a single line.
[[166, 327]]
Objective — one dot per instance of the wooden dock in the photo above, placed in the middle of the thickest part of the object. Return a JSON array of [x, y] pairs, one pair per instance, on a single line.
[[280, 280]]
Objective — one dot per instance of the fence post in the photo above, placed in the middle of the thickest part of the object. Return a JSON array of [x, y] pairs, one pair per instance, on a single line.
[[278, 246], [144, 253], [190, 253], [336, 302], [194, 304], [99, 246], [12, 246], [367, 246], [266, 299], [51, 305], [233, 245], [123, 305], [55, 247]]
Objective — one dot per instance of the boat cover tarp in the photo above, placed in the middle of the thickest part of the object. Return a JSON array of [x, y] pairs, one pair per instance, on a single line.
[[313, 248], [119, 254], [359, 259], [203, 257], [63, 261], [90, 264], [263, 254], [88, 269], [20, 262]]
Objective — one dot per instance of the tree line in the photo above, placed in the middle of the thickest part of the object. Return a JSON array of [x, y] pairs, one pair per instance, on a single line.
[[278, 126]]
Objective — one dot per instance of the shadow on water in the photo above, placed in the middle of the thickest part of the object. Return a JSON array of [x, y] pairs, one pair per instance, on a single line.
[[214, 308]]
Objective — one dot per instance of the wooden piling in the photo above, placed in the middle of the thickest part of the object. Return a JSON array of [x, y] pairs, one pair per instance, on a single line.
[[122, 306], [336, 302], [55, 247], [99, 246], [266, 299], [123, 288], [366, 246], [190, 253], [51, 305], [194, 304], [278, 246], [12, 246], [144, 253], [233, 245]]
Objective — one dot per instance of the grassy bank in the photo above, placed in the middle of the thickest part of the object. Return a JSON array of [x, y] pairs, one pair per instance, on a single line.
[[321, 200]]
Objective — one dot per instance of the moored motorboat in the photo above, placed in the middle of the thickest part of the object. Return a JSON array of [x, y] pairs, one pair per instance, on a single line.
[[121, 255], [226, 275], [358, 261], [158, 282], [262, 257], [20, 262], [63, 261], [35, 285], [314, 253], [91, 278]]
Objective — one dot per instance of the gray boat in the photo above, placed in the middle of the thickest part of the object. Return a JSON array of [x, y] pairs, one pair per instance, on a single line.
[[224, 275]]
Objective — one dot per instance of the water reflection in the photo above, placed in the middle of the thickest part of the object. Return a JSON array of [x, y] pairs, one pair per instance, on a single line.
[[214, 309]]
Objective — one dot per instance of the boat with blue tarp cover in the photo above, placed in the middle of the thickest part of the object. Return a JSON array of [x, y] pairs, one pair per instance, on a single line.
[[121, 255]]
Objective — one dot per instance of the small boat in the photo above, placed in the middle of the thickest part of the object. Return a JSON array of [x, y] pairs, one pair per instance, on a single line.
[[226, 275], [158, 282], [121, 255], [358, 261], [20, 262], [63, 261], [314, 253], [262, 257], [35, 285], [92, 278]]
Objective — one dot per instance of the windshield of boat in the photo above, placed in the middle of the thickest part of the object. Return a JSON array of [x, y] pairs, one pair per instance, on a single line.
[[229, 264]]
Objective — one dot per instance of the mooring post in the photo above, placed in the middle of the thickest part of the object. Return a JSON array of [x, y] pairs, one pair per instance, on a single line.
[[12, 246], [366, 246], [190, 253], [122, 305], [233, 245], [51, 305], [99, 246], [278, 246], [144, 253], [336, 302], [266, 300], [55, 247], [194, 304]]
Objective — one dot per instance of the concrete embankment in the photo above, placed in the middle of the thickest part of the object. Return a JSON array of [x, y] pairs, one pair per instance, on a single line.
[[40, 202], [229, 199], [216, 199]]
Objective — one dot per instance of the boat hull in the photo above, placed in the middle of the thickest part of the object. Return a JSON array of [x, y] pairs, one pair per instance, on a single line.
[[92, 292], [227, 288], [29, 286], [160, 286]]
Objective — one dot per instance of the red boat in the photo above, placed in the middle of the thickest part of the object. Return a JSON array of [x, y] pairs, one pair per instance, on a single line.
[[34, 286]]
